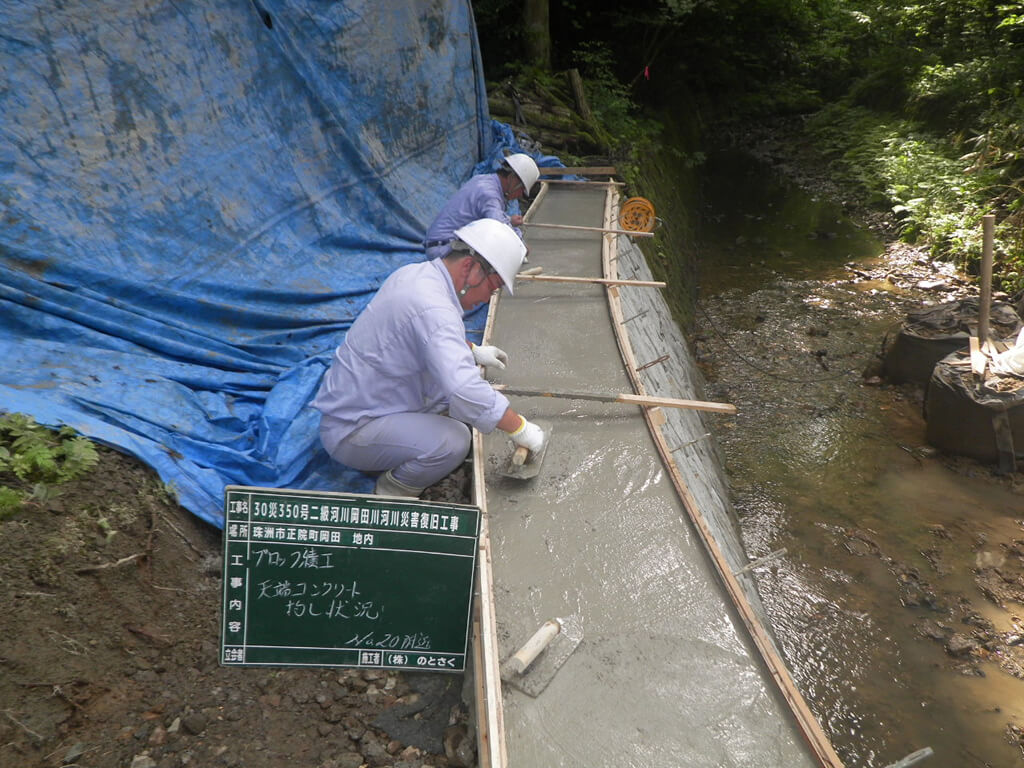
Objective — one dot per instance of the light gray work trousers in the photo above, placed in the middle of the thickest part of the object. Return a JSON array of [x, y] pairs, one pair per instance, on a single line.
[[418, 448]]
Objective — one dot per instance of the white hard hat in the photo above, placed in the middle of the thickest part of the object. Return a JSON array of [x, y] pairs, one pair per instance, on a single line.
[[498, 244], [525, 169]]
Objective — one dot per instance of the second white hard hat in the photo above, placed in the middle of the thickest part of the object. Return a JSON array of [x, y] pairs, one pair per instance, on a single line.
[[525, 168], [498, 244]]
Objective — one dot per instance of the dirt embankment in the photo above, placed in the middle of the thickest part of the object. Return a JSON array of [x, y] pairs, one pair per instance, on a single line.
[[111, 645]]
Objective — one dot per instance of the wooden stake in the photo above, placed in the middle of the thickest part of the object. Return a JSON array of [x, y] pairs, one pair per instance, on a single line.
[[988, 223]]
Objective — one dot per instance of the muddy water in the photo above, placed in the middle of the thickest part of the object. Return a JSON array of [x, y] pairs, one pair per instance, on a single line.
[[883, 538]]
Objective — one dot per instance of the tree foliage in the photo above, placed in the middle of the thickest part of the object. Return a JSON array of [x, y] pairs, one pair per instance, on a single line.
[[920, 102]]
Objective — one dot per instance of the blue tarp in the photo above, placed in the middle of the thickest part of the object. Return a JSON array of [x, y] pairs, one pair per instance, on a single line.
[[199, 197]]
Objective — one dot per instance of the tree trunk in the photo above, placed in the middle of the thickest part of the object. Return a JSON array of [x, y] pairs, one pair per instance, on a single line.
[[538, 33]]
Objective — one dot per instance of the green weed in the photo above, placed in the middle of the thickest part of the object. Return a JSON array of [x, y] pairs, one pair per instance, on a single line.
[[34, 460]]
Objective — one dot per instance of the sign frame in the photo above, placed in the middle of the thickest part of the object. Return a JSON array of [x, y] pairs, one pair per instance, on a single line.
[[327, 579]]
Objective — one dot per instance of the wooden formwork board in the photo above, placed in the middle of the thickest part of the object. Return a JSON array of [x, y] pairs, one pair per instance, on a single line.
[[490, 719]]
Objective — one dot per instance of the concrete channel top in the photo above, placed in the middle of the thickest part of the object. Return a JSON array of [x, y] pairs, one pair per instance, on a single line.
[[654, 667]]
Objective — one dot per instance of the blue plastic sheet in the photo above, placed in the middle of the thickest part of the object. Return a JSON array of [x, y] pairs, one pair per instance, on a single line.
[[199, 197]]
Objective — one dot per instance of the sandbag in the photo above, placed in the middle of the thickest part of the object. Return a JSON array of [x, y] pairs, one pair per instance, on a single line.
[[979, 418], [930, 334]]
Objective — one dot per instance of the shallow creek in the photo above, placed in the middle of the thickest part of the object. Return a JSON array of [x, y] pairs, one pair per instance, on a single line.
[[884, 539]]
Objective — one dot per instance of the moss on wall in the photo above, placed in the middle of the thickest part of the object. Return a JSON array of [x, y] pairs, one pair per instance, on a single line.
[[668, 177]]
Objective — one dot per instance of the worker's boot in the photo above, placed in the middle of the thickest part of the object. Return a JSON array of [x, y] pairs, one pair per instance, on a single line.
[[387, 485]]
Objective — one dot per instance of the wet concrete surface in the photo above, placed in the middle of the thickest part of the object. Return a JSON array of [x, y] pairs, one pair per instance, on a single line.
[[665, 673]]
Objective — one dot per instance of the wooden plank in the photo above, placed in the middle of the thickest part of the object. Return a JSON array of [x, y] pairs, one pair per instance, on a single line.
[[597, 280], [606, 230], [608, 183], [596, 170], [625, 397], [492, 751]]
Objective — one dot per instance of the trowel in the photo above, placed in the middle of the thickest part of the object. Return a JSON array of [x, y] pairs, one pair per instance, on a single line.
[[535, 664], [521, 463]]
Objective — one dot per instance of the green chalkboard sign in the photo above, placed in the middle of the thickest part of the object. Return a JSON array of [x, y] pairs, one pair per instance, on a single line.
[[331, 579]]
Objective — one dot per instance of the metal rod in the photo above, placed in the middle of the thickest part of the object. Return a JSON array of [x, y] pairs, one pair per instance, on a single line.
[[641, 313], [645, 366], [688, 443]]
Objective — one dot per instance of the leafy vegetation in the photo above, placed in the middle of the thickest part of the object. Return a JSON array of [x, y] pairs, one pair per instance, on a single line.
[[930, 127], [35, 459], [920, 104]]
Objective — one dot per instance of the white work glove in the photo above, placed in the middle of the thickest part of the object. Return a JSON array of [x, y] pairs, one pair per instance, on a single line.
[[529, 435], [490, 356]]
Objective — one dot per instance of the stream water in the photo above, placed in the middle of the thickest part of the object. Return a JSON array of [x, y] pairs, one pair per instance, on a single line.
[[884, 539]]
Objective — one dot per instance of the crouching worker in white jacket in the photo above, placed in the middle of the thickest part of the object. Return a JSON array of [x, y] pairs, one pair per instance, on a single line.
[[404, 384]]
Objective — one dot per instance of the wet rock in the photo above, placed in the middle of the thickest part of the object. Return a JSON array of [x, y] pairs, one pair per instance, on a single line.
[[933, 630], [961, 645]]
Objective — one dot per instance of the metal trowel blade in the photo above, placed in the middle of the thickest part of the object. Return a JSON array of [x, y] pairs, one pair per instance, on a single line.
[[531, 466]]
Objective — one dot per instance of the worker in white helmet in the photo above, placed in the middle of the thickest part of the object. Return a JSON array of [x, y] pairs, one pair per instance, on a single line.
[[404, 388], [486, 195]]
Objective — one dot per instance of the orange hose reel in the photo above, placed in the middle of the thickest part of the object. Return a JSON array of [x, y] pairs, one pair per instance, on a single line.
[[637, 215]]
